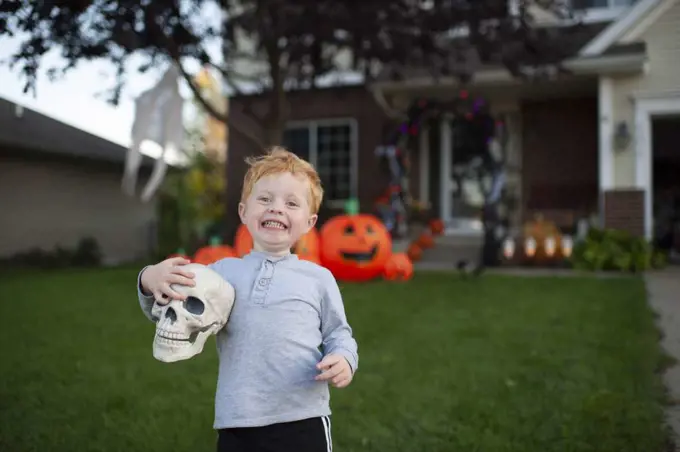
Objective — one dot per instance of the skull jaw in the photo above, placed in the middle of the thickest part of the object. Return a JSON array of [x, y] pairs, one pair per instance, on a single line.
[[173, 351]]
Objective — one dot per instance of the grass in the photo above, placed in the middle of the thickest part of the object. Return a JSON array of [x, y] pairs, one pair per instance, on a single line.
[[496, 364]]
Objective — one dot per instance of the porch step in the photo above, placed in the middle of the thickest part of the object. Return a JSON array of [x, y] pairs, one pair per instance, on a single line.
[[451, 250], [447, 250]]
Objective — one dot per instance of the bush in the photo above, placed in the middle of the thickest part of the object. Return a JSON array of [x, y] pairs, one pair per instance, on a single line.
[[86, 254], [614, 250]]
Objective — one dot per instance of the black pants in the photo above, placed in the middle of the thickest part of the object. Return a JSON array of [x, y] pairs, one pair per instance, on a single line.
[[307, 435]]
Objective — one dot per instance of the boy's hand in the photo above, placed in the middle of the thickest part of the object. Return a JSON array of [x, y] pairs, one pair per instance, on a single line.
[[157, 279], [336, 369]]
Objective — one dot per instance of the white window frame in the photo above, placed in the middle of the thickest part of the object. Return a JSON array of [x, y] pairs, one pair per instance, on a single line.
[[589, 15], [605, 13], [313, 127]]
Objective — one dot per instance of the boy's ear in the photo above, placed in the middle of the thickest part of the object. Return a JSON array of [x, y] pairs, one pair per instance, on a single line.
[[311, 222], [242, 212]]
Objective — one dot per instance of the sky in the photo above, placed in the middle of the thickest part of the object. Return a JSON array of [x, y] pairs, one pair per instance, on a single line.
[[73, 100]]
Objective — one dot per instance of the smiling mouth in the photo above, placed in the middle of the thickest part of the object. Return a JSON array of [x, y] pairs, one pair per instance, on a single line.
[[360, 257], [273, 224]]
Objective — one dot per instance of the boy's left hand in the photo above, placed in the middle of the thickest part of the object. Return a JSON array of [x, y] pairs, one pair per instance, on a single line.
[[336, 369]]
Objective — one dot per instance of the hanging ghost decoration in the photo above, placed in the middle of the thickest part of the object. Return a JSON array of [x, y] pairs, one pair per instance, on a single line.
[[183, 326]]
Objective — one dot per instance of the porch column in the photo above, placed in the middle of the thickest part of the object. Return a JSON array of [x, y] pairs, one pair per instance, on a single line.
[[445, 143], [605, 96], [424, 165]]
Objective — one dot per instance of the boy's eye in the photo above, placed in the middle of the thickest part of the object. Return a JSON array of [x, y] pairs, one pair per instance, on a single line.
[[264, 198], [292, 204]]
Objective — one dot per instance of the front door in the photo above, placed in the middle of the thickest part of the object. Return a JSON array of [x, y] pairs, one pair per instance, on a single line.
[[462, 197]]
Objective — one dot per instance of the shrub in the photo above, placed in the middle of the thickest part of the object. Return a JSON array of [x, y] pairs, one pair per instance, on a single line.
[[615, 250]]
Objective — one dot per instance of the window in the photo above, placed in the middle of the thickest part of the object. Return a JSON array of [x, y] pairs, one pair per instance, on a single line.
[[596, 4], [331, 146]]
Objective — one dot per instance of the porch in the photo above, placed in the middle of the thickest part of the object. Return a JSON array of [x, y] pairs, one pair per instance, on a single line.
[[551, 155]]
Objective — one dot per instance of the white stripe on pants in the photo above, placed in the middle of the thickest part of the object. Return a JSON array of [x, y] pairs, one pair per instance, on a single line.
[[327, 429]]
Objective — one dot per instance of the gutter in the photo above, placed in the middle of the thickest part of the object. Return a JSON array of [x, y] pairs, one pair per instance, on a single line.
[[599, 65]]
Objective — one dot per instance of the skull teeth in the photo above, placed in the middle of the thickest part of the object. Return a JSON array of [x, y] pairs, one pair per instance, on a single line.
[[169, 335]]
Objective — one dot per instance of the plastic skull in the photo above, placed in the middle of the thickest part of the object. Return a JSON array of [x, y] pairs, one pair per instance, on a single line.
[[183, 327]]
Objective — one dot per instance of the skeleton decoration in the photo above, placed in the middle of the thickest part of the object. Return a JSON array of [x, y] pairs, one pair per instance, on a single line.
[[183, 327]]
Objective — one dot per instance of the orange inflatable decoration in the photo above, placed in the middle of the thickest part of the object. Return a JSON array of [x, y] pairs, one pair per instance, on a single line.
[[436, 226], [180, 253], [243, 242], [212, 253], [414, 252], [398, 268], [307, 248], [425, 240], [355, 247]]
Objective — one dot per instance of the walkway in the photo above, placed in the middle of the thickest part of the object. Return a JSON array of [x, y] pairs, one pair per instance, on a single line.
[[663, 288]]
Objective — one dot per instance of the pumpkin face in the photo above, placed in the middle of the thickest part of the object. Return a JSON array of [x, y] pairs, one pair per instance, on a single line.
[[307, 248], [243, 241], [398, 268], [210, 254], [355, 247]]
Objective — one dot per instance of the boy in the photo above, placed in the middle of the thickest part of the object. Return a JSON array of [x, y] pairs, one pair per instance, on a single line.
[[272, 389]]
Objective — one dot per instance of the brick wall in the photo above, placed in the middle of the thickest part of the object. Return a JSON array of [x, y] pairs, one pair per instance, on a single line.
[[625, 210]]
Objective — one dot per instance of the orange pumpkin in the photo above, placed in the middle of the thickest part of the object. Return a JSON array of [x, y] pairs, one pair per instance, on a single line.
[[213, 253], [355, 247], [398, 268], [243, 241], [414, 252], [425, 241], [307, 248], [436, 226], [180, 253]]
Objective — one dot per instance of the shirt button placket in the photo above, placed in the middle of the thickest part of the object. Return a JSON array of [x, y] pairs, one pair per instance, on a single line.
[[263, 281]]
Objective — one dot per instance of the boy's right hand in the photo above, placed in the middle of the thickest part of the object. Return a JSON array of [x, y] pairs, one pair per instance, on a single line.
[[157, 279]]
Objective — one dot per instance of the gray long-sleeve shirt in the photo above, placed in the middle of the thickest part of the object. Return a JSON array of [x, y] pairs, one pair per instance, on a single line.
[[288, 314]]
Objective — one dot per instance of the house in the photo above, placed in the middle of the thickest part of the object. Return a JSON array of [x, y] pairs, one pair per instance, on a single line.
[[584, 144], [59, 184]]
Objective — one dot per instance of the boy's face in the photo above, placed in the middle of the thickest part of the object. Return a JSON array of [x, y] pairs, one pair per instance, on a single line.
[[277, 212]]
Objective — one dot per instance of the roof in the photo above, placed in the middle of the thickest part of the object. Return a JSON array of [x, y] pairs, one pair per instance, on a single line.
[[617, 29], [31, 131], [561, 42]]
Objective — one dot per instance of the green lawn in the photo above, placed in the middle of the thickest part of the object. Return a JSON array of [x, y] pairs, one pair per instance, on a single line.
[[492, 365]]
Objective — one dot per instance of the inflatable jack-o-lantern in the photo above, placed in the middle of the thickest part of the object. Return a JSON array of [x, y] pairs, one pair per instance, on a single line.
[[398, 268], [355, 247], [213, 253], [243, 241], [180, 253], [307, 248]]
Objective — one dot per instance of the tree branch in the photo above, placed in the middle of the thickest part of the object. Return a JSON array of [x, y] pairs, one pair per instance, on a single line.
[[220, 116]]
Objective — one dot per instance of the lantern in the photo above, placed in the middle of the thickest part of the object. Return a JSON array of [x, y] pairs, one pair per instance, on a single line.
[[243, 241], [307, 248], [530, 247], [550, 246], [355, 247], [508, 248], [398, 268], [567, 246]]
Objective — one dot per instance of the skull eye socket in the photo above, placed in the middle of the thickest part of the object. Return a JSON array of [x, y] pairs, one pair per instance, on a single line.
[[194, 306]]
